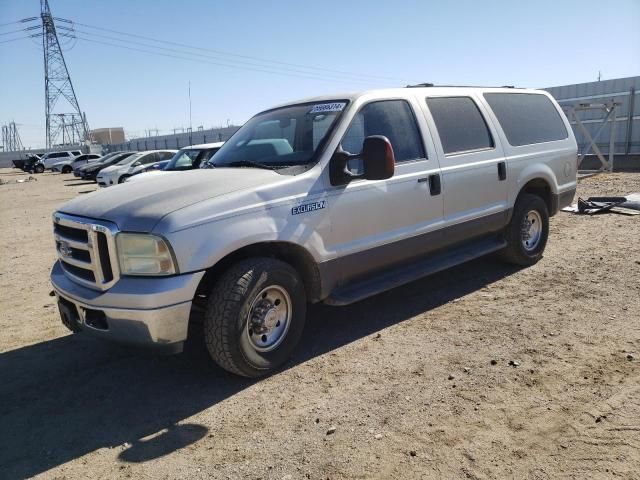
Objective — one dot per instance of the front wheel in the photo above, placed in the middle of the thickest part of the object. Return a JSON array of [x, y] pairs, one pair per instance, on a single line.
[[123, 178], [527, 232], [255, 316], [39, 168], [66, 169]]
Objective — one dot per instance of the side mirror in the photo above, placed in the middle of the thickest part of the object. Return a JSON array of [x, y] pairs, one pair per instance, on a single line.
[[377, 157], [136, 164]]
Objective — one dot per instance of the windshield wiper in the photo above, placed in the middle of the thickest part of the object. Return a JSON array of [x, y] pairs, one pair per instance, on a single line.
[[249, 163]]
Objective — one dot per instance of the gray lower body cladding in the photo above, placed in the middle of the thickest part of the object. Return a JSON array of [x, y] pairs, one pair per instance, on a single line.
[[561, 200], [355, 267]]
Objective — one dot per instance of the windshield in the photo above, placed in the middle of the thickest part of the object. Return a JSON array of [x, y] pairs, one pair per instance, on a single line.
[[130, 158], [189, 158], [281, 138], [107, 156]]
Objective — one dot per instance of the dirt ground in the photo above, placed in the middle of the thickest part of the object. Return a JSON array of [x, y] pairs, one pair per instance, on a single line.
[[417, 382]]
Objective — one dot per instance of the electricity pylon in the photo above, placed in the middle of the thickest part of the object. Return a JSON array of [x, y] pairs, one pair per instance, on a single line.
[[11, 138], [72, 124]]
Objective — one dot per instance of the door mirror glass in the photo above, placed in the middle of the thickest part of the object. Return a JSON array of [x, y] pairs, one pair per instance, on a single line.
[[378, 158], [375, 162]]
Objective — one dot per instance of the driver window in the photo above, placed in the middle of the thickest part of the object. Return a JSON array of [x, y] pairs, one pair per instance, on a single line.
[[392, 118]]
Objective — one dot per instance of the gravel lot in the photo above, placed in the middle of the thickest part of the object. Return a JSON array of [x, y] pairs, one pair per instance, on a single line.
[[414, 383]]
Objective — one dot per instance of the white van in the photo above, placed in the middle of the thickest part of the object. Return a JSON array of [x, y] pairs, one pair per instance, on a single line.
[[330, 199]]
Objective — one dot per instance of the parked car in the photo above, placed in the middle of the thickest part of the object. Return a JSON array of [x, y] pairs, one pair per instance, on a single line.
[[332, 199], [187, 158], [91, 170], [67, 166], [51, 158], [131, 165], [31, 159], [27, 163]]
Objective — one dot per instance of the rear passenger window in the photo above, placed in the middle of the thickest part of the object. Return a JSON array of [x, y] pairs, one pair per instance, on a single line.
[[392, 118], [527, 118], [460, 124]]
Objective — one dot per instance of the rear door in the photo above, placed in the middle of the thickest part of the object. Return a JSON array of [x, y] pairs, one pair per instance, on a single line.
[[474, 184], [376, 224]]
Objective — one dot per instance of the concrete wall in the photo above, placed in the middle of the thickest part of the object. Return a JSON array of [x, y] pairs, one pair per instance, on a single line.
[[108, 136]]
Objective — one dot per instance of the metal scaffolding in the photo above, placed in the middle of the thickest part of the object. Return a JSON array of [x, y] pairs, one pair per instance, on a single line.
[[609, 109]]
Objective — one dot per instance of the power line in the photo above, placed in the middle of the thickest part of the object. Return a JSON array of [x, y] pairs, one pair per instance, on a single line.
[[19, 38], [262, 70], [221, 52], [229, 62], [12, 31], [24, 20]]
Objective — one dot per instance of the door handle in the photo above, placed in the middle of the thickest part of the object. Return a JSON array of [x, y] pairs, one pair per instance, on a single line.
[[502, 171], [434, 184]]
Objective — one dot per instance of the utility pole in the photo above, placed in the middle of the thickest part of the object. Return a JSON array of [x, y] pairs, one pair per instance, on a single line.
[[58, 86], [190, 124]]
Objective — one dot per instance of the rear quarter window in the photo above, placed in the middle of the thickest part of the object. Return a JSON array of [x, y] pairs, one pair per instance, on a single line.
[[460, 124], [527, 118]]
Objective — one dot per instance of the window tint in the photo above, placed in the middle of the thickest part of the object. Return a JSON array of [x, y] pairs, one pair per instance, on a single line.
[[460, 124], [148, 158], [184, 158], [391, 118], [527, 118]]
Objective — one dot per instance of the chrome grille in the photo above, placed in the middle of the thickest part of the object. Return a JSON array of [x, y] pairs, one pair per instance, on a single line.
[[87, 250]]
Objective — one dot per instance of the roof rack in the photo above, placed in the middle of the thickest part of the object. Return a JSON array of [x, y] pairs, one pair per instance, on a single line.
[[421, 85]]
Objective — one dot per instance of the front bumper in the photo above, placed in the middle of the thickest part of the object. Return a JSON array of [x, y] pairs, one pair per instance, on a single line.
[[105, 180], [143, 311]]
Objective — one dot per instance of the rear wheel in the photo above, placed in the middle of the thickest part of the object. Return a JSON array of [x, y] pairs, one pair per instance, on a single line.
[[255, 316], [527, 233]]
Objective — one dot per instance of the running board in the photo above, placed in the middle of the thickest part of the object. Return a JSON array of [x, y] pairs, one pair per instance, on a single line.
[[387, 280]]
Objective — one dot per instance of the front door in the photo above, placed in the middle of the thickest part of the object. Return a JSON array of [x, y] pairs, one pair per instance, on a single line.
[[376, 224]]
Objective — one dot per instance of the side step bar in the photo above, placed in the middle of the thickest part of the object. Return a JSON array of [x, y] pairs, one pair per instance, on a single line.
[[387, 280]]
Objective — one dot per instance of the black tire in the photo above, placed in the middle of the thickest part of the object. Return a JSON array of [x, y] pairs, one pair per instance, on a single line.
[[123, 178], [226, 319], [39, 169], [67, 169], [517, 250]]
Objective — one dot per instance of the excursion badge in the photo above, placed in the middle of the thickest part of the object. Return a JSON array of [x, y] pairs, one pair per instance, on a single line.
[[308, 207]]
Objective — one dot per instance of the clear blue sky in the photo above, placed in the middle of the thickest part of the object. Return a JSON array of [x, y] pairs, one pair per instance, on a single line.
[[538, 43]]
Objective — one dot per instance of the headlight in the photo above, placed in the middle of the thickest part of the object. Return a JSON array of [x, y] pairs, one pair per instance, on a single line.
[[144, 254]]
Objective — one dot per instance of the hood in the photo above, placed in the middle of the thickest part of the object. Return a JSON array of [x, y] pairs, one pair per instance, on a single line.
[[92, 165], [138, 206], [145, 175], [111, 168]]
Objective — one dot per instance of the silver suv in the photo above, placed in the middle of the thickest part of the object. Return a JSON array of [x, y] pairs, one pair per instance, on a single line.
[[330, 199]]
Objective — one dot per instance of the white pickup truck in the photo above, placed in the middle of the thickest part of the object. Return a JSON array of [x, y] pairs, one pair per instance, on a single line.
[[330, 199]]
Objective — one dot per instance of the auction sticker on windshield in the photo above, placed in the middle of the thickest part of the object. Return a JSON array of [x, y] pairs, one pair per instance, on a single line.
[[327, 107]]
